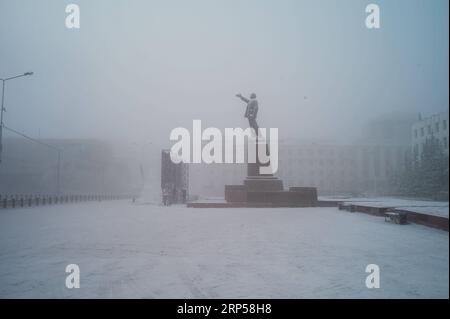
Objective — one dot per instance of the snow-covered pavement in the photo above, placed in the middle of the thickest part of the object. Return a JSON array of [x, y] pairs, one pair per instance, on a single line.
[[127, 250]]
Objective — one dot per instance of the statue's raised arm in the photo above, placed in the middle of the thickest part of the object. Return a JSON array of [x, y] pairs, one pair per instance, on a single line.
[[239, 95], [251, 111]]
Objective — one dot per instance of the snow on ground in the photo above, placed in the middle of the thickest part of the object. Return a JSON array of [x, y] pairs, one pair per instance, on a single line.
[[420, 206], [127, 250]]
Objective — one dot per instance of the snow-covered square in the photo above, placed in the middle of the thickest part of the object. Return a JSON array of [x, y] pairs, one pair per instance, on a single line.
[[127, 250]]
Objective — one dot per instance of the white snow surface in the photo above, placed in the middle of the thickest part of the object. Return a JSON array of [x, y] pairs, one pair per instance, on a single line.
[[127, 250]]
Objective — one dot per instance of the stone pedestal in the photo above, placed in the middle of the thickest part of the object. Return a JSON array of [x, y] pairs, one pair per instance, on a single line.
[[236, 193], [266, 190], [263, 183], [256, 181]]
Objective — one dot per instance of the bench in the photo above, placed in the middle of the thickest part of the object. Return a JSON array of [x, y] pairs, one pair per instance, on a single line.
[[396, 217], [345, 206]]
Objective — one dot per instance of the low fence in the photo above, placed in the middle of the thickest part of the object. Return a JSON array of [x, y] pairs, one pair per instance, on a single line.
[[429, 220], [17, 201], [426, 219]]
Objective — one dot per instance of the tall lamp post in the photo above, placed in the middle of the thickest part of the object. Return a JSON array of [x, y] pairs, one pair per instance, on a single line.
[[2, 109]]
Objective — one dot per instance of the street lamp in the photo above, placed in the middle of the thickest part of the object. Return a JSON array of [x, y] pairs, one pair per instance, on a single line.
[[2, 109]]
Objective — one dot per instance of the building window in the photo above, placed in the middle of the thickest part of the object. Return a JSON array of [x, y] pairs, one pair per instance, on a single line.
[[415, 133], [445, 143], [429, 129], [436, 127], [444, 125], [422, 131]]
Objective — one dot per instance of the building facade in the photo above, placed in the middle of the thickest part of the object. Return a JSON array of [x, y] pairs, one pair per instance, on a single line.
[[353, 169], [365, 166], [435, 126], [358, 169], [86, 166]]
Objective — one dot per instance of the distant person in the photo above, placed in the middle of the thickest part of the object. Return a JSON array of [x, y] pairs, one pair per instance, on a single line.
[[184, 196], [165, 194]]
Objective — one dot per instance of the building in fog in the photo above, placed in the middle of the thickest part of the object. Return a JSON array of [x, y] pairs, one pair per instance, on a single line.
[[362, 167], [335, 169], [388, 129], [434, 126], [86, 167]]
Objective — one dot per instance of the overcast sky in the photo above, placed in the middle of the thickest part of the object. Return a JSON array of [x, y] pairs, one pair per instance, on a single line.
[[137, 69]]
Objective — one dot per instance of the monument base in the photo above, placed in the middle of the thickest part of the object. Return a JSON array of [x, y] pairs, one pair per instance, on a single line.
[[263, 183], [266, 190], [294, 197]]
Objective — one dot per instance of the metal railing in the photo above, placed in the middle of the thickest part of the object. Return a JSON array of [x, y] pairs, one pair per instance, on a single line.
[[18, 201]]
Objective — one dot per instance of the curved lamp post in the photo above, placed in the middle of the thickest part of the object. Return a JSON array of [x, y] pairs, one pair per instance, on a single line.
[[2, 109]]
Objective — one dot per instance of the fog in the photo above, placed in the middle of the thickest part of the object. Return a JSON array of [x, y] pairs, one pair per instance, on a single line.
[[137, 69]]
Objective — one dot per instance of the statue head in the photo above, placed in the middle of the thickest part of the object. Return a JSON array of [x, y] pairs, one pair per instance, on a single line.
[[253, 96]]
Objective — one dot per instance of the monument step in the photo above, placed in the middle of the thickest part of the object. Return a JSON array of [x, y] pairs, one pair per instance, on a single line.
[[263, 184]]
